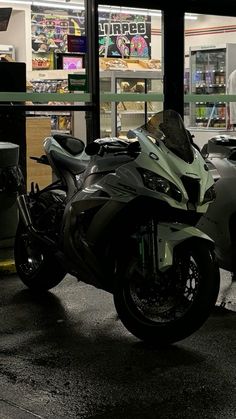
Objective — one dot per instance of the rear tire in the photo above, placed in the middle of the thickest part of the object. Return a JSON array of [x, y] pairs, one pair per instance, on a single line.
[[170, 309], [37, 268]]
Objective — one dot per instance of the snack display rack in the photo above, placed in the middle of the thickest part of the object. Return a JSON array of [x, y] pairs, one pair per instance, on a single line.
[[52, 81], [134, 76]]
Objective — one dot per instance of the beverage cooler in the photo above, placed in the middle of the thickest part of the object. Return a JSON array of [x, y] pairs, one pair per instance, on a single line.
[[210, 68]]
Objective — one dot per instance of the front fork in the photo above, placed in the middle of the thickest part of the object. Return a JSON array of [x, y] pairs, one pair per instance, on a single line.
[[161, 239], [148, 247]]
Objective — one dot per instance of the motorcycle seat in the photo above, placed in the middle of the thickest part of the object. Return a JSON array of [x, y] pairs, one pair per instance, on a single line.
[[72, 145], [70, 163]]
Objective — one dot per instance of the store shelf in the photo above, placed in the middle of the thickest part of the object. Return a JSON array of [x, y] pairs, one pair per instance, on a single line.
[[53, 81], [60, 131], [127, 115]]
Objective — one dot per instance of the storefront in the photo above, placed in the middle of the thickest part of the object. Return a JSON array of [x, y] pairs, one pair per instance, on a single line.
[[54, 40]]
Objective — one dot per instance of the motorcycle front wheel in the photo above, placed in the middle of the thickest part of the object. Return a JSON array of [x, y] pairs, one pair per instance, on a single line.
[[166, 307]]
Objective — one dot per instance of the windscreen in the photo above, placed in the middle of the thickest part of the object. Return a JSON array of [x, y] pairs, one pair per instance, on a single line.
[[169, 127]]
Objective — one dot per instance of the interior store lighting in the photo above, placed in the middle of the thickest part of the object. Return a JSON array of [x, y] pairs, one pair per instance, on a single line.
[[104, 9], [142, 12], [129, 10], [73, 6], [19, 2], [51, 4]]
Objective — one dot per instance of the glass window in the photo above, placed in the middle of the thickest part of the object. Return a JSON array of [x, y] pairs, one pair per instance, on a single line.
[[130, 67], [58, 60], [47, 44], [210, 58]]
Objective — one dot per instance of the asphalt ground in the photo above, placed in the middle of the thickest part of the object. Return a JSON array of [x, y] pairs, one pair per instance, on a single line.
[[66, 355]]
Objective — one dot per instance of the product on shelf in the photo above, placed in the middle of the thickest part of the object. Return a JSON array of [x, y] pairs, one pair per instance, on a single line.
[[125, 86], [113, 64], [150, 107], [134, 106], [120, 106], [54, 122], [126, 115], [61, 120], [139, 87], [105, 107], [133, 87], [62, 123], [6, 57], [151, 64], [129, 64], [40, 63]]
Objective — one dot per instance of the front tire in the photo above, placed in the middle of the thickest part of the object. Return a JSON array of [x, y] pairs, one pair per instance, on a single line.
[[37, 268], [174, 304]]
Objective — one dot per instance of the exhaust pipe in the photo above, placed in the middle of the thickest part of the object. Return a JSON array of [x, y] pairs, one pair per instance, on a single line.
[[28, 222], [39, 235], [24, 212]]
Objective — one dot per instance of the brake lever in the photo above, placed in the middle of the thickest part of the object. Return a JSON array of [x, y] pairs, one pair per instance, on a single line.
[[101, 151]]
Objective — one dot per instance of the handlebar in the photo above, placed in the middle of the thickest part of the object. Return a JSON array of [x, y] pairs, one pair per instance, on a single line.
[[43, 159], [94, 148]]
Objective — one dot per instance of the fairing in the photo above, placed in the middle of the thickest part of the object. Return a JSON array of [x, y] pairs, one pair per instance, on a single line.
[[167, 153]]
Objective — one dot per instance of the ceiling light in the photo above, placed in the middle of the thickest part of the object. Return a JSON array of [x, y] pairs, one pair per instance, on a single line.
[[129, 10], [104, 9], [20, 2], [58, 5], [189, 16], [142, 12]]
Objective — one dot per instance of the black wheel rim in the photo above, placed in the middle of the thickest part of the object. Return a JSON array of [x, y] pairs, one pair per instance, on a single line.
[[166, 296]]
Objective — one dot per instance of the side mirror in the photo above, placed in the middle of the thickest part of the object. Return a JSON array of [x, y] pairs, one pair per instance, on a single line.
[[131, 135], [92, 149]]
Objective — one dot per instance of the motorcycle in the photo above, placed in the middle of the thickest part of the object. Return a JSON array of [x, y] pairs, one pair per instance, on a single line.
[[121, 216], [219, 222]]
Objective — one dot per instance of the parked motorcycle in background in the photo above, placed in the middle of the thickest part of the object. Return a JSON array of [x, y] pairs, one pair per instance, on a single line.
[[219, 222], [122, 217]]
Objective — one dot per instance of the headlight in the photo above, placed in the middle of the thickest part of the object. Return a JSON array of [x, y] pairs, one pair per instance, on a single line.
[[210, 195], [160, 184]]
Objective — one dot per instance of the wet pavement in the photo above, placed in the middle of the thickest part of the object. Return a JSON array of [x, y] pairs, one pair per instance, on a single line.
[[66, 355]]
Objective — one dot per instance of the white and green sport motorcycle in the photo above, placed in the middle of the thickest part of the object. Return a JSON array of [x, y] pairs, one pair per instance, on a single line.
[[121, 216]]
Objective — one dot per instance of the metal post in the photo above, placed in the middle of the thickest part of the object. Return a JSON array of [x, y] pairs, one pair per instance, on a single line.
[[173, 49], [92, 68]]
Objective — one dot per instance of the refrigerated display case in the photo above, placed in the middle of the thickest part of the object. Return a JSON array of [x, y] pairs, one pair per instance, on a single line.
[[210, 68], [118, 118]]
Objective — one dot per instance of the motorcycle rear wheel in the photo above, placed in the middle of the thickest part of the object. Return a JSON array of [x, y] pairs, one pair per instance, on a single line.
[[174, 304], [36, 267]]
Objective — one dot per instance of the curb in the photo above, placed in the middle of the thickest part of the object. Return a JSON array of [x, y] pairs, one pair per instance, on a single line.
[[7, 267]]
